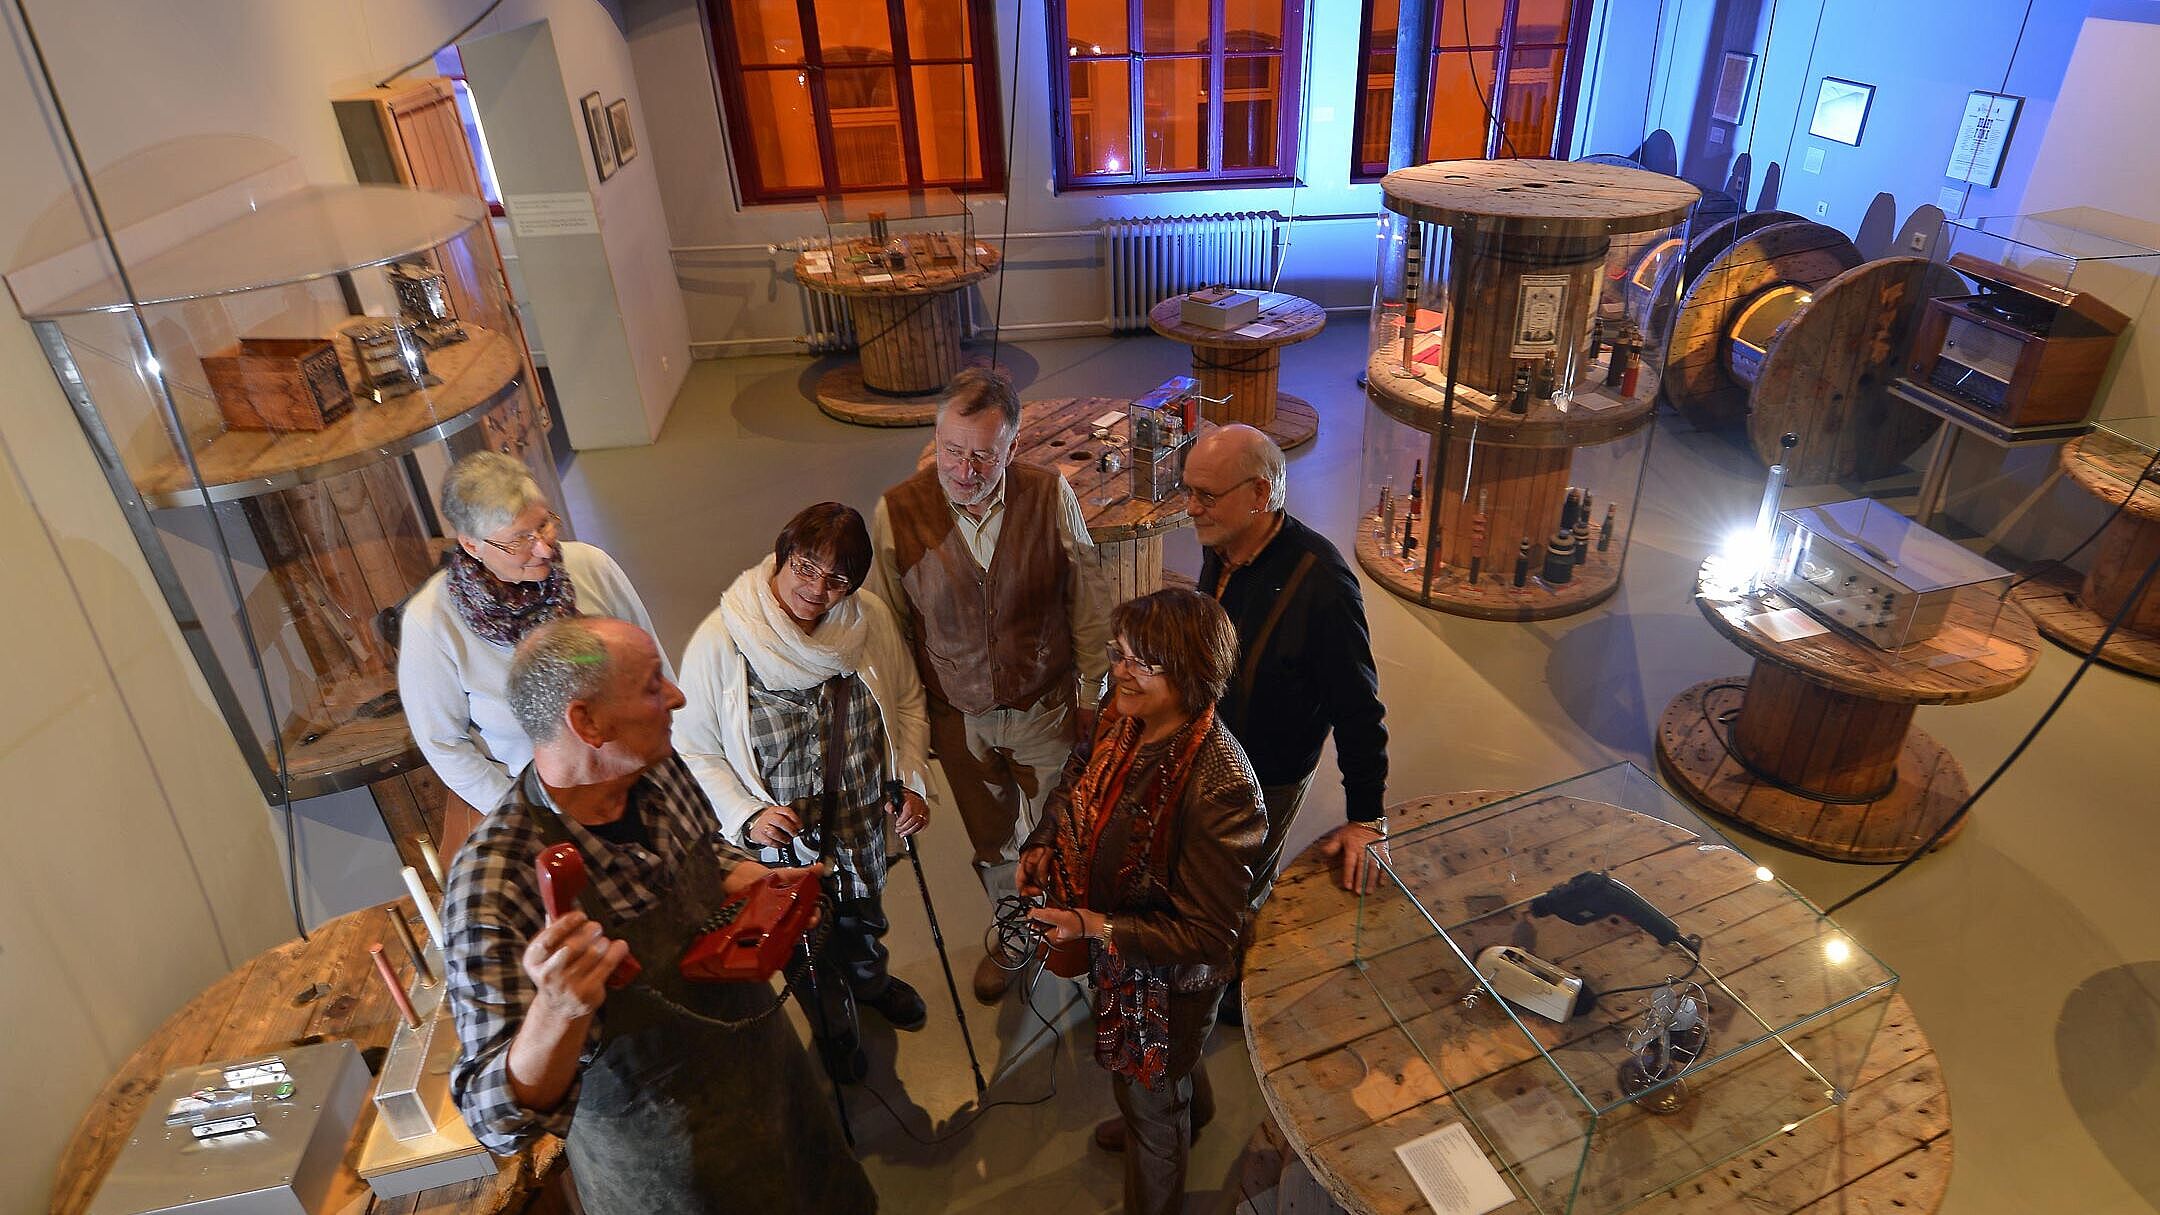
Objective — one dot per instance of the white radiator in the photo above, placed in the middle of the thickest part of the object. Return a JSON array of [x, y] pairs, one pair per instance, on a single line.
[[1148, 259], [827, 328]]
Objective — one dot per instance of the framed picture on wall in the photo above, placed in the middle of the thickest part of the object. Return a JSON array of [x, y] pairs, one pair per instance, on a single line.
[[1983, 135], [1729, 102], [618, 114], [597, 133], [1841, 108]]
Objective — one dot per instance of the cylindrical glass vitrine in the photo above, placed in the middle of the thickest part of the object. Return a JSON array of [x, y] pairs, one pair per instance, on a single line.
[[273, 390], [1504, 454]]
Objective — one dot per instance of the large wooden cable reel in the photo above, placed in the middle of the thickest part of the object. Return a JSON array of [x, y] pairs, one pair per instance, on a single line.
[[1698, 380], [1825, 374]]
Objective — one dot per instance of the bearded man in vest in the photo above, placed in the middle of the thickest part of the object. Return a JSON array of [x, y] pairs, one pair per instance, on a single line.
[[989, 567]]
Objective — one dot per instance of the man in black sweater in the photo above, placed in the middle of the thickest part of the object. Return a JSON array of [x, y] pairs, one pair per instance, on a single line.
[[1305, 662]]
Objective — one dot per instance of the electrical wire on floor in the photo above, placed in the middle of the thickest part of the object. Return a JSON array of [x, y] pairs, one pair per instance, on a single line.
[[1956, 816], [1006, 937]]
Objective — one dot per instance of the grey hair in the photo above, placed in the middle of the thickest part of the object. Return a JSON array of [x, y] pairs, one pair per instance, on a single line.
[[563, 661], [1260, 459], [486, 491]]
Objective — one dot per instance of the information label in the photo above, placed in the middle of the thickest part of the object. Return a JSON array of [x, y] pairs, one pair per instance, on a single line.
[[1452, 1172], [569, 214]]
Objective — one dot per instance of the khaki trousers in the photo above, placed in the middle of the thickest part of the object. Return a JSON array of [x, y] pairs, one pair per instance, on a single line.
[[1001, 766]]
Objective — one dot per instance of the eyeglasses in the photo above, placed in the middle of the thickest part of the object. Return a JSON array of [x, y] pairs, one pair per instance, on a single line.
[[975, 459], [1206, 499], [1119, 656], [521, 545], [813, 574]]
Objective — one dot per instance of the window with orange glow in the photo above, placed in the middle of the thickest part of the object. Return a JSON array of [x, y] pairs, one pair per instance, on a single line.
[[842, 96], [1500, 79], [1175, 90]]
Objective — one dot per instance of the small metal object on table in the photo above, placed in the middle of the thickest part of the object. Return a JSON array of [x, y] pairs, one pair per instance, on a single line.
[[2073, 610], [1834, 765], [1247, 368], [1347, 1084], [270, 1002], [908, 320], [1060, 435], [1964, 420]]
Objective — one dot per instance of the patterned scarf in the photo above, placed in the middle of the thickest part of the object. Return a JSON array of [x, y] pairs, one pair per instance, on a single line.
[[503, 612], [1132, 999]]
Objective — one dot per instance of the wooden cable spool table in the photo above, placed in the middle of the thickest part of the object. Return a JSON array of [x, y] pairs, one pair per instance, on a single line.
[[908, 324], [1833, 763], [1247, 367], [2074, 611], [260, 1008], [1128, 532], [1347, 1082]]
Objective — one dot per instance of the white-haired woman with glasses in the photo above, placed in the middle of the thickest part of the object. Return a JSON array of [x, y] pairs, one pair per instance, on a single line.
[[509, 573], [804, 723]]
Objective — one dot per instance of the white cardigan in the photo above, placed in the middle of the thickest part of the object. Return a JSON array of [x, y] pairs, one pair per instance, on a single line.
[[712, 731], [454, 683]]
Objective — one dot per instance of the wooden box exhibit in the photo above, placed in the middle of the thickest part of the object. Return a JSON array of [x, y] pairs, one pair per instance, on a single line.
[[278, 384], [2022, 350]]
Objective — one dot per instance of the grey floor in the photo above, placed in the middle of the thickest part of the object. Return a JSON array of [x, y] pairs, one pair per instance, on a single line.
[[2030, 947]]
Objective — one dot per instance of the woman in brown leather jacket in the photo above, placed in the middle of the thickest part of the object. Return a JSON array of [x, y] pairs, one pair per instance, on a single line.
[[1144, 851]]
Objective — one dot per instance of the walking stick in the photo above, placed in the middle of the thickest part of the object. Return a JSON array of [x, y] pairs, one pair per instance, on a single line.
[[808, 961], [893, 796]]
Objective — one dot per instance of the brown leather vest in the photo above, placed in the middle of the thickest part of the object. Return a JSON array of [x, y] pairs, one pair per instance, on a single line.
[[985, 639]]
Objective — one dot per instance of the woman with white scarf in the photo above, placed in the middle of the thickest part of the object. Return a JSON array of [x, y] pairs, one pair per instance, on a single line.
[[793, 648]]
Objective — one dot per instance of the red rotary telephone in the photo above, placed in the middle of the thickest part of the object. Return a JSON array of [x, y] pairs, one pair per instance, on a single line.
[[562, 878], [752, 937]]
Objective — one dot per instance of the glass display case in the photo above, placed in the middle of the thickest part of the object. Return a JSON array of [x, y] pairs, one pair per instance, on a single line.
[[1859, 566], [273, 381], [901, 234], [1504, 455], [1616, 997]]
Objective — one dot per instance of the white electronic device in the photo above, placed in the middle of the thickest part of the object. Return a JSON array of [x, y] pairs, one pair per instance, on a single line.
[[1530, 982]]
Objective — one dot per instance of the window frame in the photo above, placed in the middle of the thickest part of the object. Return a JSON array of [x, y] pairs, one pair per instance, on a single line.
[[1495, 87], [1289, 55], [731, 83]]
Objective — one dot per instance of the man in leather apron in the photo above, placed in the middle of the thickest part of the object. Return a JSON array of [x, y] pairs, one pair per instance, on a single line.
[[676, 1097]]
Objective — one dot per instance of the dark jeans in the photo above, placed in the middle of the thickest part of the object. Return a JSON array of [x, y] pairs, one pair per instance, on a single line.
[[1159, 1125], [852, 966]]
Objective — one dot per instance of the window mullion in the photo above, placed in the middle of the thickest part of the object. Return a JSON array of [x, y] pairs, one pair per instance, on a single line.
[[1136, 82], [904, 93], [1216, 115], [1497, 141], [820, 110]]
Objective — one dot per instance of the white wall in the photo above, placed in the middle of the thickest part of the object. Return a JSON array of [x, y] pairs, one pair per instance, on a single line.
[[150, 863]]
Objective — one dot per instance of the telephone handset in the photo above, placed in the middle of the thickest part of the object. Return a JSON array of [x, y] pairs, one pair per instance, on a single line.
[[562, 879], [753, 936]]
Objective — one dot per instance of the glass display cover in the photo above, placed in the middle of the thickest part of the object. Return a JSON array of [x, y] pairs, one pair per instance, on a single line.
[[924, 234], [1756, 1018]]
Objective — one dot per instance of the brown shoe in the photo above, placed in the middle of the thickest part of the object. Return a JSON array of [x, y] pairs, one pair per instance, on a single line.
[[991, 980]]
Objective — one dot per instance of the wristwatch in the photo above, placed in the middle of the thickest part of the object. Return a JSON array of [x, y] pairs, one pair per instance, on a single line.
[[1373, 824]]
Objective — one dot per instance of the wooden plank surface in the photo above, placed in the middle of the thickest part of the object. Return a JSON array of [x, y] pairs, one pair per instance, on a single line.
[[265, 1005], [1539, 197], [919, 274], [1826, 375], [1292, 318], [1983, 649], [1347, 1081], [1596, 414], [2054, 601], [472, 372], [2108, 468]]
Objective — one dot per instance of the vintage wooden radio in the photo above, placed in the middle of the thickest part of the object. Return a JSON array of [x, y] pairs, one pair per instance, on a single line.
[[2023, 351]]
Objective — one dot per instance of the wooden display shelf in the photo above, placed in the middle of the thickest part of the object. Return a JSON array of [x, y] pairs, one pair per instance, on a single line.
[[1539, 197], [1495, 597], [1347, 1084], [1596, 414], [842, 276], [842, 396], [1834, 764], [1247, 369], [477, 374], [260, 1008]]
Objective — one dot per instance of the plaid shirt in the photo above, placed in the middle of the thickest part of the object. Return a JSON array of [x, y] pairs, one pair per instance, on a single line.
[[492, 910], [787, 738]]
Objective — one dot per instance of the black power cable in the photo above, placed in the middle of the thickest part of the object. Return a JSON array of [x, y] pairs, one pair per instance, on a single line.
[[1956, 816]]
